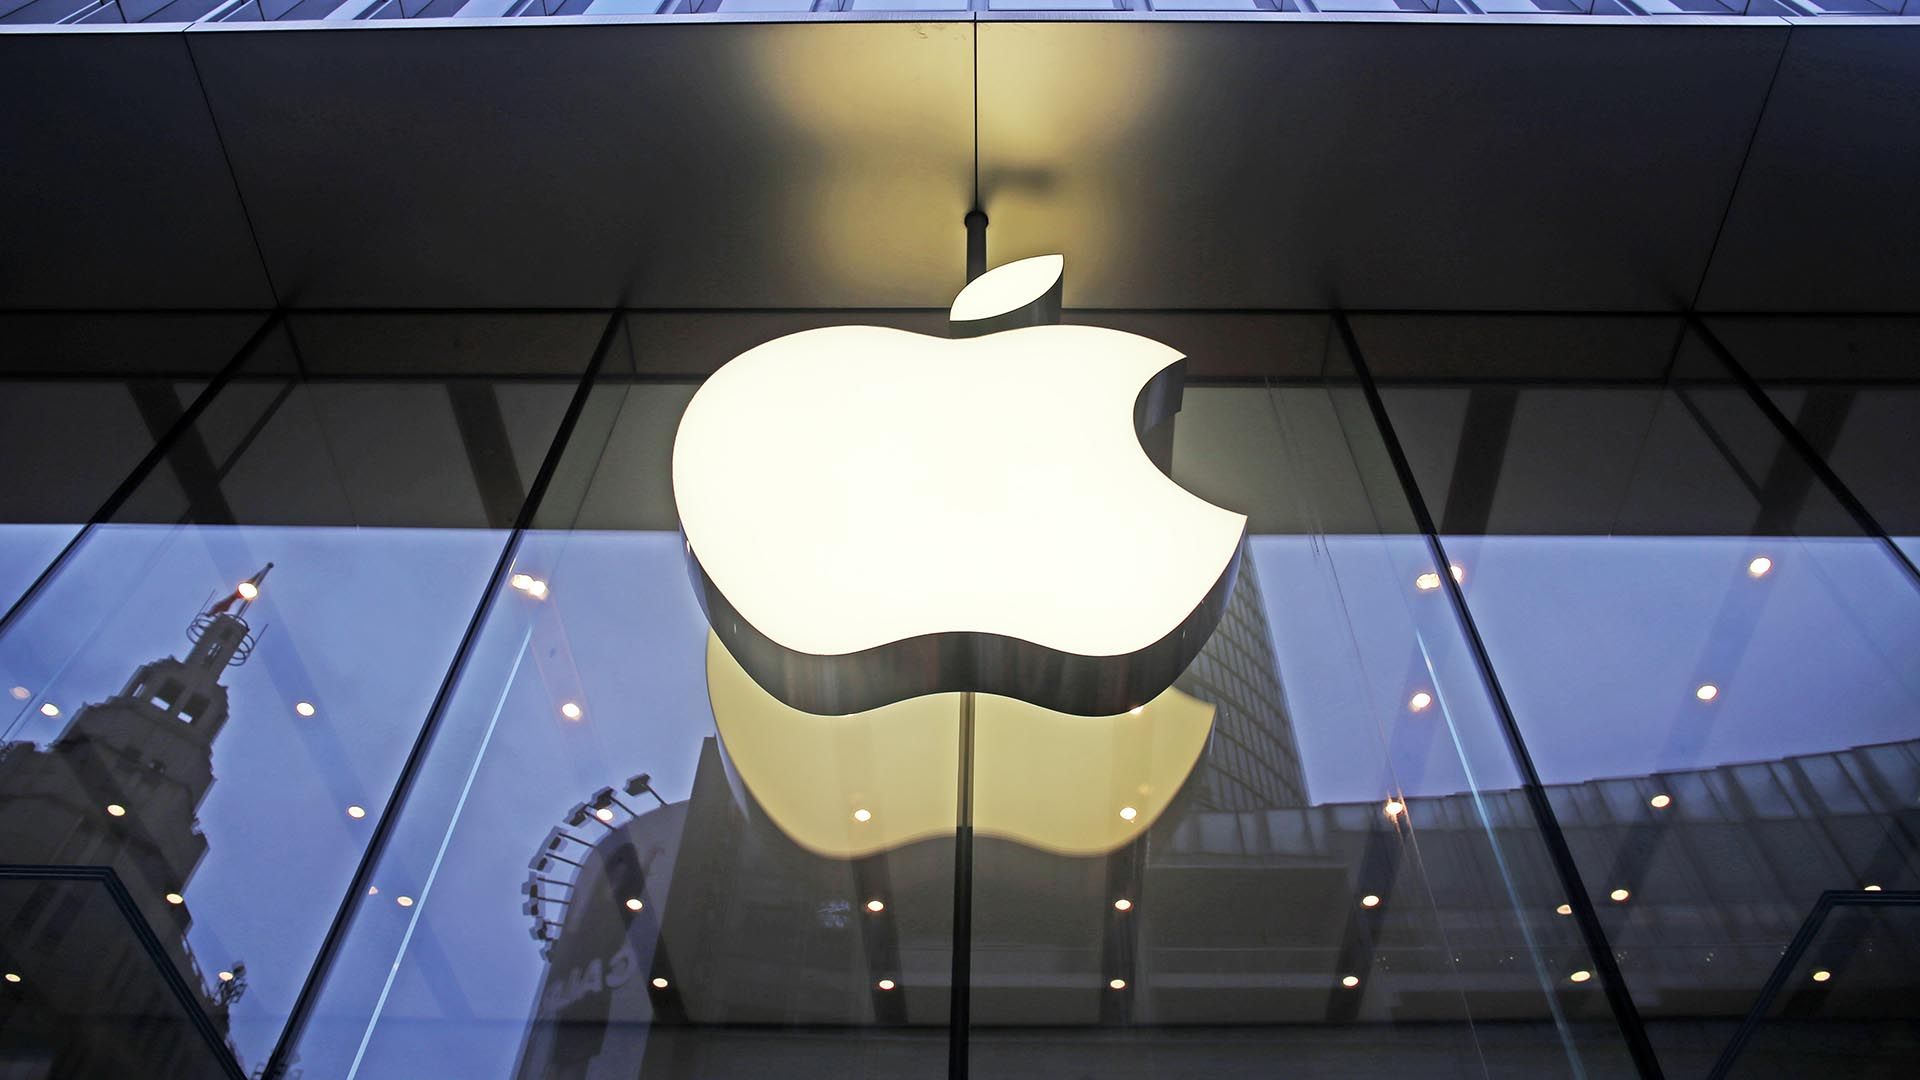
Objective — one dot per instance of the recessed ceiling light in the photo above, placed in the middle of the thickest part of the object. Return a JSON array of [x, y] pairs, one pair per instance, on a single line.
[[634, 904], [1759, 566], [1116, 984], [1395, 808], [116, 809], [1563, 909], [1420, 701], [176, 899], [523, 582], [21, 693], [1128, 813], [1619, 896], [403, 901], [1459, 574], [659, 983], [226, 976], [49, 709], [863, 814], [356, 812], [1427, 582], [1660, 801], [1870, 888], [537, 589], [1123, 904], [12, 978], [885, 984], [1581, 976], [1707, 692], [570, 710], [1369, 901], [876, 906], [1822, 975], [1350, 981]]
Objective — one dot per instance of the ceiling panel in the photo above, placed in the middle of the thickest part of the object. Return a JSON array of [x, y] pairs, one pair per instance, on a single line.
[[693, 163], [1441, 163], [1828, 213], [115, 193]]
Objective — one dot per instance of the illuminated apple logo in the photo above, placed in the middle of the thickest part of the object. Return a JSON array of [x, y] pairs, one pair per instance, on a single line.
[[873, 515]]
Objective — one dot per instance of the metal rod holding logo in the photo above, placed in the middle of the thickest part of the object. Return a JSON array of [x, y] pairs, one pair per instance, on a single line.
[[958, 994]]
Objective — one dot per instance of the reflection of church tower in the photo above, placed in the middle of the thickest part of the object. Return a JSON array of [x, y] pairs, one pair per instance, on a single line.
[[120, 787], [1252, 760]]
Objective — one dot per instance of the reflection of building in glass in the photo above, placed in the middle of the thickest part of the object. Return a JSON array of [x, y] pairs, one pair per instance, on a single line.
[[1241, 922], [120, 788], [1252, 761]]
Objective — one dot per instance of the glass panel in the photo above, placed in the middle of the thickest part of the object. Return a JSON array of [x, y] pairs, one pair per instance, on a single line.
[[82, 997], [1845, 1005], [1705, 657], [1850, 387], [1322, 863], [621, 858], [82, 400], [245, 653]]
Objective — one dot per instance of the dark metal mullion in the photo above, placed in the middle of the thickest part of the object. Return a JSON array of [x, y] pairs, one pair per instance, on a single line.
[[158, 453], [1790, 959], [279, 1060], [1862, 517], [959, 995], [1625, 1013]]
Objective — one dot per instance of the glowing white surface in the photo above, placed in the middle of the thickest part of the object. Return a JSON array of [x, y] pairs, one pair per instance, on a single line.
[[852, 486], [1007, 287]]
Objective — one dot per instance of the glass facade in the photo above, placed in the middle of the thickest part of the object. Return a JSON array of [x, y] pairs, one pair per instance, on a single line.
[[1563, 720]]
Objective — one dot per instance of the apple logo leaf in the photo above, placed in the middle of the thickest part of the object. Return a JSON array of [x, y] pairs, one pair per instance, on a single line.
[[1025, 292], [872, 515]]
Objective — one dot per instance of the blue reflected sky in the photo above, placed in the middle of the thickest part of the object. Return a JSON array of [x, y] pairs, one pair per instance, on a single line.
[[1600, 642]]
